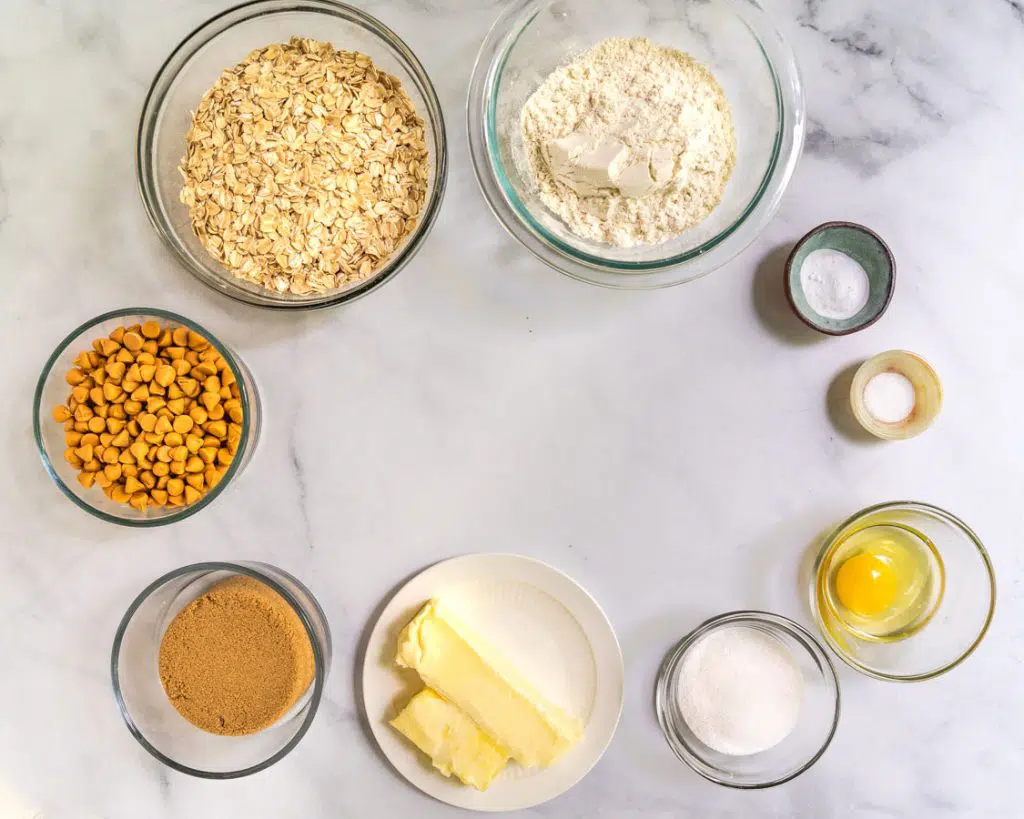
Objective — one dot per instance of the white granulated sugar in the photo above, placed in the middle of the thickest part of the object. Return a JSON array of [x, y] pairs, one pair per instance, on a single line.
[[835, 285], [889, 397], [630, 117], [740, 690]]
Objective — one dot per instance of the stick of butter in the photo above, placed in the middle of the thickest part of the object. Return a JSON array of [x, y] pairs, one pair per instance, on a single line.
[[469, 674], [454, 743]]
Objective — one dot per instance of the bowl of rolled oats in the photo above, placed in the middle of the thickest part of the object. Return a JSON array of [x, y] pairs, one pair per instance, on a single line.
[[292, 154]]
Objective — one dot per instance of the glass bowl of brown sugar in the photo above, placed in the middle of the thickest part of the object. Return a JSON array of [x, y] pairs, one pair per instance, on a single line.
[[218, 668]]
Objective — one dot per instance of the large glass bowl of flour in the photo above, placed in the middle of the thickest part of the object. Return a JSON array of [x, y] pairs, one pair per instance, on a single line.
[[735, 40]]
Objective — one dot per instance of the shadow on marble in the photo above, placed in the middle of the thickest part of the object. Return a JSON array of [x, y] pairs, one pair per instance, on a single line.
[[411, 682], [246, 325], [840, 411], [780, 565], [639, 734], [168, 285], [771, 306], [805, 569], [471, 274]]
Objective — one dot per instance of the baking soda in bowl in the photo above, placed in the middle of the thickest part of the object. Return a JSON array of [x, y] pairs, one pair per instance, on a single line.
[[740, 690], [835, 285]]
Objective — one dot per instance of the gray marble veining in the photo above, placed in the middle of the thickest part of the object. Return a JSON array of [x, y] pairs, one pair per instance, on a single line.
[[674, 451]]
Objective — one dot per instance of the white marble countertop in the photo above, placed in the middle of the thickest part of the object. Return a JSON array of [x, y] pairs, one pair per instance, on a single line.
[[674, 451]]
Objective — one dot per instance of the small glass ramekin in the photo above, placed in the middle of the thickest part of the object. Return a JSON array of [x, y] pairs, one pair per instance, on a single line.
[[144, 705], [193, 67], [958, 625], [927, 394], [739, 43], [52, 390], [816, 725]]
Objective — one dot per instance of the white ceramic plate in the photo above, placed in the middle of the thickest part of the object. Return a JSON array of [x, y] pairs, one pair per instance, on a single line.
[[541, 620]]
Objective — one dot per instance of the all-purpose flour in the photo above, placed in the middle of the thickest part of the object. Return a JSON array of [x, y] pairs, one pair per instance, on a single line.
[[632, 143], [835, 285]]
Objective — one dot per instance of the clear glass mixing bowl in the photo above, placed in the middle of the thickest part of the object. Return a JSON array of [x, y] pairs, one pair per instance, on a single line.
[[52, 389], [958, 625], [149, 714], [811, 736], [735, 39], [194, 66]]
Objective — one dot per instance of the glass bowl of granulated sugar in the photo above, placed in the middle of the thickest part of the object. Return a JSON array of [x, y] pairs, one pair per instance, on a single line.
[[748, 699], [632, 149]]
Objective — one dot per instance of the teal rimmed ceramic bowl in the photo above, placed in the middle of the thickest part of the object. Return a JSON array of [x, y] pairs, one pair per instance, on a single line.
[[862, 245]]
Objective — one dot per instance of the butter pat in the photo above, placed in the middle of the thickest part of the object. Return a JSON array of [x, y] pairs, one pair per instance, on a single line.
[[452, 740], [473, 677]]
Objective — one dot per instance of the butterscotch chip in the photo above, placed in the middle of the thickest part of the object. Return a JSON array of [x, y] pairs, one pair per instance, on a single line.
[[235, 660], [165, 375]]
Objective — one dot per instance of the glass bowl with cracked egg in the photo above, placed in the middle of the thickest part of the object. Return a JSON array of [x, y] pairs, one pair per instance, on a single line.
[[196, 64], [53, 390], [903, 591], [735, 39]]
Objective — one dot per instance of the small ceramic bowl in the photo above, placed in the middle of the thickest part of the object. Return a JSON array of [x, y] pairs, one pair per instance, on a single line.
[[927, 394], [866, 248], [148, 713], [811, 736]]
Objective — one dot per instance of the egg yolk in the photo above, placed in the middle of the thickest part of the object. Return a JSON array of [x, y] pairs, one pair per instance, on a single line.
[[866, 584]]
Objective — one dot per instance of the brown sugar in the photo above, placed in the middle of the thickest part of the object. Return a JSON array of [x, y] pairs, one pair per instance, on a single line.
[[234, 660]]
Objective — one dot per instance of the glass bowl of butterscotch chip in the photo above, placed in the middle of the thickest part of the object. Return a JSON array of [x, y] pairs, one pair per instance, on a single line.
[[142, 417], [292, 153], [218, 668]]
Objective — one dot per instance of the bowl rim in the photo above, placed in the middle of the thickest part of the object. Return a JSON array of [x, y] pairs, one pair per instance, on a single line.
[[789, 279], [773, 621], [949, 517], [165, 316], [255, 570], [167, 74], [504, 203]]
